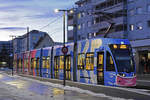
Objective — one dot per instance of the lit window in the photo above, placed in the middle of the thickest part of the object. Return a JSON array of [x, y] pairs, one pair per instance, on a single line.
[[131, 27], [90, 61], [79, 15], [79, 27], [61, 62], [139, 26], [70, 28], [81, 61], [44, 62], [139, 10], [56, 63], [48, 62]]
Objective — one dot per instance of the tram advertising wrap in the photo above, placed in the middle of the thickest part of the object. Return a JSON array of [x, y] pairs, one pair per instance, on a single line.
[[103, 61]]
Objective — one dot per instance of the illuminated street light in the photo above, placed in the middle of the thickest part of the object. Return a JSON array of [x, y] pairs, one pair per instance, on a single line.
[[56, 10], [64, 29]]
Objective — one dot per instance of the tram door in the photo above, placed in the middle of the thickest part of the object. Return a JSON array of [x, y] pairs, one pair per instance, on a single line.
[[100, 68], [68, 67]]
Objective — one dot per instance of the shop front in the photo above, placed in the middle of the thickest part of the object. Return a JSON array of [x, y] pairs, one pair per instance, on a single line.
[[141, 51]]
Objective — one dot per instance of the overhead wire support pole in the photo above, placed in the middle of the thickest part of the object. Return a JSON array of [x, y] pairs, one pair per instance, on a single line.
[[12, 36], [27, 38]]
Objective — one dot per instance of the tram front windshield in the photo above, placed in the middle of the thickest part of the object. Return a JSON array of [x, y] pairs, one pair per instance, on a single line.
[[123, 58]]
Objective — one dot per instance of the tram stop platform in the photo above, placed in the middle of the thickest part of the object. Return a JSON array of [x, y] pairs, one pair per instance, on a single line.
[[143, 81]]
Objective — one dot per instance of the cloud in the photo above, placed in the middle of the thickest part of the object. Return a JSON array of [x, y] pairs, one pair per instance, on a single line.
[[12, 28], [38, 16], [14, 1]]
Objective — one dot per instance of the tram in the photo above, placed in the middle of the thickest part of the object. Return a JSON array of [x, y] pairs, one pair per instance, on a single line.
[[98, 61]]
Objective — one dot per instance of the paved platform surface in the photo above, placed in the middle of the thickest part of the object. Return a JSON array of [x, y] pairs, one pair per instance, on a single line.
[[127, 93]]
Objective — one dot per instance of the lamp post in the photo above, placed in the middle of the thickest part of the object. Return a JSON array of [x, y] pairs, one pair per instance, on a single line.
[[64, 49]]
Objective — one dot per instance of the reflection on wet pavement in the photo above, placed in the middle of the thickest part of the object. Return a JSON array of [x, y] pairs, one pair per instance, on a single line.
[[49, 92]]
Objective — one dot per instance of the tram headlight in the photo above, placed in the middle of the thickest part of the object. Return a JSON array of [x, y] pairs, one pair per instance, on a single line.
[[121, 74]]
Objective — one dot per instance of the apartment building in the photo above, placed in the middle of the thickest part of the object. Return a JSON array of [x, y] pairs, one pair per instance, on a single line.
[[29, 41], [87, 22], [131, 18]]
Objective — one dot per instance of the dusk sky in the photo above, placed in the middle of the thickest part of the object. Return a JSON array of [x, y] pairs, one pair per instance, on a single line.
[[17, 15]]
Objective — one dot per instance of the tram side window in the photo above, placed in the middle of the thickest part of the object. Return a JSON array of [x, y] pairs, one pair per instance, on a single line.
[[89, 61], [81, 61], [56, 63], [38, 63], [44, 62], [20, 63], [61, 62], [25, 63], [68, 62], [34, 63], [48, 62], [109, 63]]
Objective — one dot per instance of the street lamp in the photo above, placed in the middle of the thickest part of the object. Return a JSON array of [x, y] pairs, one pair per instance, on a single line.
[[64, 49]]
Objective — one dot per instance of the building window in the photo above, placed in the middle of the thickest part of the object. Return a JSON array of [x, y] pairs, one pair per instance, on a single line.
[[131, 12], [131, 27], [83, 25], [131, 0], [70, 28], [89, 13], [79, 27], [83, 14], [139, 10], [79, 15], [89, 35], [97, 20], [148, 22], [89, 23], [148, 8], [120, 27], [139, 26], [70, 17]]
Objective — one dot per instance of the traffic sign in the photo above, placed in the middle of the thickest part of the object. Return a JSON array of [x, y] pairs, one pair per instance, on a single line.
[[64, 50]]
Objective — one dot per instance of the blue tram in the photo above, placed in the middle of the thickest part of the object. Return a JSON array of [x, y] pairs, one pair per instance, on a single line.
[[102, 61]]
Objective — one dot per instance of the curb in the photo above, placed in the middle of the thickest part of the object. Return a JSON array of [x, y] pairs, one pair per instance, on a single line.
[[106, 90]]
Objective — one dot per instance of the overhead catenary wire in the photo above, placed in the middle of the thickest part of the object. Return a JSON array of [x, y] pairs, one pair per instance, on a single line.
[[52, 22]]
